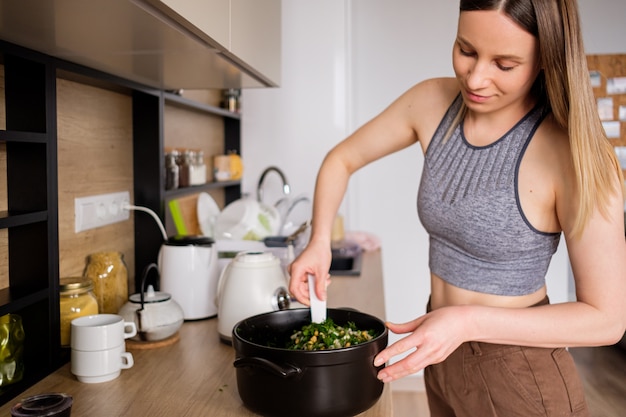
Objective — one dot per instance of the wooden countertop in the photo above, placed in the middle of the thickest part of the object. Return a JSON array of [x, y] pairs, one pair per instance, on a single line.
[[194, 376]]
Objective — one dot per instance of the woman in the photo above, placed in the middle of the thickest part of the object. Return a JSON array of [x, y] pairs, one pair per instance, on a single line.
[[515, 155]]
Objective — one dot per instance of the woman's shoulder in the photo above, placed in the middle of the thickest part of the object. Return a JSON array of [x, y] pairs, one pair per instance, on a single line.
[[553, 138], [429, 100], [436, 90]]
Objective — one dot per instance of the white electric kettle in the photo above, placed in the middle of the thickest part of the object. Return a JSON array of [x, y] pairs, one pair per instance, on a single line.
[[252, 283], [189, 273]]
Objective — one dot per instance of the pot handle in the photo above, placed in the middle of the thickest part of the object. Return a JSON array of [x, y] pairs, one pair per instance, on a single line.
[[286, 371]]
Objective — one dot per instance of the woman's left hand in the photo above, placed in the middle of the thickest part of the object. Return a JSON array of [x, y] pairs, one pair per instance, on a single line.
[[433, 336]]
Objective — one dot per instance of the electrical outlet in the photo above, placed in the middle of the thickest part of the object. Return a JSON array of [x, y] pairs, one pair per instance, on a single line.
[[100, 210]]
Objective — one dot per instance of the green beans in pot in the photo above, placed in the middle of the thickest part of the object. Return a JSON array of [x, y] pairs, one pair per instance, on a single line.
[[328, 335]]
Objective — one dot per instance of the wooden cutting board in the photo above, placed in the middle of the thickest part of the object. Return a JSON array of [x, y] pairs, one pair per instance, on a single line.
[[183, 213]]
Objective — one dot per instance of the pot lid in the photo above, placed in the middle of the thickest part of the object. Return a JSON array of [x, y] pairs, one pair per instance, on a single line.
[[186, 240], [150, 297]]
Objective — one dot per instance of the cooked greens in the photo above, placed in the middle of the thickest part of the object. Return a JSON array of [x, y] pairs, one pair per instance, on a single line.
[[328, 335]]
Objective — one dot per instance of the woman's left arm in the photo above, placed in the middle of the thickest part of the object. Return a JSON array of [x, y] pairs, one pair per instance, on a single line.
[[597, 317]]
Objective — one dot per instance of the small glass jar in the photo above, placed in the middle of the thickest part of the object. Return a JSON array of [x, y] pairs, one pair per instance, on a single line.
[[171, 170], [231, 99], [107, 271], [199, 170], [76, 299], [186, 172]]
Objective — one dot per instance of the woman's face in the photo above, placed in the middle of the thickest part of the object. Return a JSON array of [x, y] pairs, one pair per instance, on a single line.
[[495, 61]]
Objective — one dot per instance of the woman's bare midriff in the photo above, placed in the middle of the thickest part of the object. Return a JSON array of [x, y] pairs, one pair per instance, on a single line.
[[444, 294]]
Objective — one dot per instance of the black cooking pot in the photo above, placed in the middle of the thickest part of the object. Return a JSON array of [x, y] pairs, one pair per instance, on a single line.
[[278, 382]]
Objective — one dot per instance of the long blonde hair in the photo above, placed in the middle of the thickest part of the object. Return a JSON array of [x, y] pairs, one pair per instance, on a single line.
[[565, 86]]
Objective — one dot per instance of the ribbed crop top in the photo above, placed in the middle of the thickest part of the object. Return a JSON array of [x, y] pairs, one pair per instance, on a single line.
[[468, 202]]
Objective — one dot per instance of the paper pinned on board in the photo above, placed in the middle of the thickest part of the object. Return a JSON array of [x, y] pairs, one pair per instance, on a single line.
[[605, 108], [611, 129], [616, 85]]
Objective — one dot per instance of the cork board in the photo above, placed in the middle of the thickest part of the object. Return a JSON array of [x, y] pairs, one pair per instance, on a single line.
[[604, 71], [608, 79]]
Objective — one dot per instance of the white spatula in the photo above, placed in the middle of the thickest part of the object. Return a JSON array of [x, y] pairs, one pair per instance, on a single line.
[[318, 307]]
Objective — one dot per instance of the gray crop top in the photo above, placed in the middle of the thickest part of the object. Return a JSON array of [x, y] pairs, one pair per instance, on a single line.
[[468, 202]]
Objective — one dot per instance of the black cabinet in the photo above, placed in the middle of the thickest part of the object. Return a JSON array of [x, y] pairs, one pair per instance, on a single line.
[[31, 218]]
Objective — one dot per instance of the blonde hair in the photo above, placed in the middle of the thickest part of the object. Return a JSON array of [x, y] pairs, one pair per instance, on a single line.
[[565, 86]]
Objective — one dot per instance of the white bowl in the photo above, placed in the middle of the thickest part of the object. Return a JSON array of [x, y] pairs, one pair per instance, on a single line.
[[247, 219]]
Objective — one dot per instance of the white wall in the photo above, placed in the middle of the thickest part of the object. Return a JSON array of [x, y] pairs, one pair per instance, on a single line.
[[294, 126], [343, 62]]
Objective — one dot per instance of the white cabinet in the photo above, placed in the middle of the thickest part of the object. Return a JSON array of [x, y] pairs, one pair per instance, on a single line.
[[248, 32], [255, 35], [210, 16]]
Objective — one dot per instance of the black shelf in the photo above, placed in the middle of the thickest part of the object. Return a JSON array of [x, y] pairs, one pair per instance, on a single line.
[[10, 302], [184, 102], [178, 192], [25, 137], [149, 166], [31, 218], [8, 220]]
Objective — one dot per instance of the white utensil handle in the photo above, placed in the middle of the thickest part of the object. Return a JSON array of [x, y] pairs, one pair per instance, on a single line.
[[318, 307]]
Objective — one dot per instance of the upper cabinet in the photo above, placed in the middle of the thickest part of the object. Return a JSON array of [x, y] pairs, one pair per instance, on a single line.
[[171, 45], [249, 31], [210, 16], [255, 35]]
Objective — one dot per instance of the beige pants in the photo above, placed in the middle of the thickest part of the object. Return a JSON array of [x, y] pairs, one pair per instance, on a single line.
[[489, 380]]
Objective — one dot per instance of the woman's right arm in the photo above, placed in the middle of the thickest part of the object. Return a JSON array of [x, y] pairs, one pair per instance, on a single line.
[[392, 130]]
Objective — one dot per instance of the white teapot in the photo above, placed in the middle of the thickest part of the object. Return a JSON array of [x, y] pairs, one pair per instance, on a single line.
[[156, 315]]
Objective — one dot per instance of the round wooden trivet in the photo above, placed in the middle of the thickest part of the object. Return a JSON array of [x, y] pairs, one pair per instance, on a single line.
[[133, 344]]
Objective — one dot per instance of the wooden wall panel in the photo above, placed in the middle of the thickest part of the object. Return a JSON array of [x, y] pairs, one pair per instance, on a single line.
[[95, 157]]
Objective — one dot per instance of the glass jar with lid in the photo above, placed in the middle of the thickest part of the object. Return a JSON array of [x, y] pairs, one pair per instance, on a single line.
[[186, 172], [171, 170], [199, 169], [76, 299], [107, 271]]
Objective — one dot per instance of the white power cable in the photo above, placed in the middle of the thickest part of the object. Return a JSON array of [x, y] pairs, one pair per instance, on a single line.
[[127, 206]]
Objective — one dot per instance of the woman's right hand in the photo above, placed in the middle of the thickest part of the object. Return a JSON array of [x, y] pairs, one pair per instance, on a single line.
[[314, 260]]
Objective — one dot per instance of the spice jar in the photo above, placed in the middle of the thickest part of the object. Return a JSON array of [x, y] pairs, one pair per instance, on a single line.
[[199, 170], [76, 299], [107, 271], [171, 170], [186, 172], [231, 99]]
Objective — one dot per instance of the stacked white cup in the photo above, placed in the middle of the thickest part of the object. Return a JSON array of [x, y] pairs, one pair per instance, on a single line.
[[99, 347]]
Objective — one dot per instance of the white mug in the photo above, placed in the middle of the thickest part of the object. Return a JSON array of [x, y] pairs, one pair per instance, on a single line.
[[100, 366], [100, 332]]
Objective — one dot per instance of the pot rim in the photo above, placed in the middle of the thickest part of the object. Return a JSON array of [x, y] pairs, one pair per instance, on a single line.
[[384, 334]]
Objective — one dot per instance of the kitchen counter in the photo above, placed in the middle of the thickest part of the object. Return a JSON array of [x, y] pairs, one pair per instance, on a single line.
[[194, 376]]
